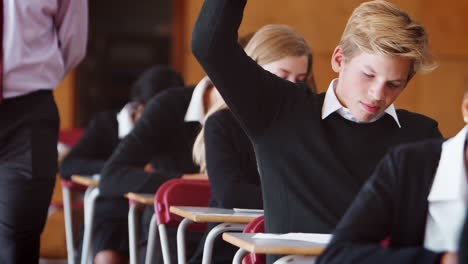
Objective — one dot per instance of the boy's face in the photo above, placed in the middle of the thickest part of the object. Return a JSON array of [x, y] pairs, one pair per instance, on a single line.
[[369, 83]]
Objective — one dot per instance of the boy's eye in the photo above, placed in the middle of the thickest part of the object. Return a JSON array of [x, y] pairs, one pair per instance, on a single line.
[[392, 85], [368, 75]]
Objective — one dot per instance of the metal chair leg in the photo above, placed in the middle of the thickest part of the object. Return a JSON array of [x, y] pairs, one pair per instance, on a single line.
[[164, 244]]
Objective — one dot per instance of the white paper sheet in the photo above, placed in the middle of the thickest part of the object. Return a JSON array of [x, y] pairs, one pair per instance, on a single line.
[[308, 237]]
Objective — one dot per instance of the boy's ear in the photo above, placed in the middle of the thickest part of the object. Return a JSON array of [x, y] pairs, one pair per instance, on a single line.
[[337, 59]]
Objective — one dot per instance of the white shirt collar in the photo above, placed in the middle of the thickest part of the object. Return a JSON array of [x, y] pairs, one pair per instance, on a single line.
[[331, 105], [125, 121], [450, 182], [448, 197], [196, 110]]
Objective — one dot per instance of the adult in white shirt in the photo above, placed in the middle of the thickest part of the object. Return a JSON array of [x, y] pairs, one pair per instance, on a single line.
[[41, 42], [413, 208]]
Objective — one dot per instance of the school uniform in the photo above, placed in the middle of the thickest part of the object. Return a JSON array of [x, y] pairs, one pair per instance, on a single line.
[[87, 157], [164, 136], [416, 198], [232, 171], [312, 164]]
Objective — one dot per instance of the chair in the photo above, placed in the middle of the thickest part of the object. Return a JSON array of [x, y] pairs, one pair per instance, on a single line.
[[175, 192], [256, 226]]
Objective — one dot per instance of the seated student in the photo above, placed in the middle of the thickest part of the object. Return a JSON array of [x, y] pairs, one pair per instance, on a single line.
[[315, 151], [110, 236], [230, 159], [164, 137], [416, 198]]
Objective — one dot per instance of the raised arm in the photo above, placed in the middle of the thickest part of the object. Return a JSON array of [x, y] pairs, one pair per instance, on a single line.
[[88, 156], [71, 23], [231, 165], [255, 96], [370, 220], [152, 135]]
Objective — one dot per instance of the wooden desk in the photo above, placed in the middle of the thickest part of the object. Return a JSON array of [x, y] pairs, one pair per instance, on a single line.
[[137, 199], [90, 197], [90, 181], [231, 221], [208, 214], [273, 246], [142, 198]]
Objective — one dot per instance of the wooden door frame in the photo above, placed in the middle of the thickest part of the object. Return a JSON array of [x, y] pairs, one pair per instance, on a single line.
[[178, 29]]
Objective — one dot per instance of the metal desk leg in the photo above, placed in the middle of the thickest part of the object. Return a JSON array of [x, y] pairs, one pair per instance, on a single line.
[[181, 253], [151, 240], [210, 239], [239, 256], [67, 212], [90, 200], [132, 234]]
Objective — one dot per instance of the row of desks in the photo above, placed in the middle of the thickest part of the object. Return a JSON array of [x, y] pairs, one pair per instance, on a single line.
[[245, 241]]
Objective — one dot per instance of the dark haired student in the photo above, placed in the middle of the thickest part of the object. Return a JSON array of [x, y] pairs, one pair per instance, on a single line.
[[315, 151], [88, 156], [164, 137]]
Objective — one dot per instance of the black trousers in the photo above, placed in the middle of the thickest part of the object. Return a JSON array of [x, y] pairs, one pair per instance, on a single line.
[[28, 163]]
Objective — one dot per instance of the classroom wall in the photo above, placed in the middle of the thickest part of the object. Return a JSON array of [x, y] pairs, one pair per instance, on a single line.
[[437, 94], [65, 98]]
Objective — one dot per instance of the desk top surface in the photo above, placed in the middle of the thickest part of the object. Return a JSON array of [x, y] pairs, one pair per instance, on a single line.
[[273, 246], [90, 181], [143, 198], [210, 214]]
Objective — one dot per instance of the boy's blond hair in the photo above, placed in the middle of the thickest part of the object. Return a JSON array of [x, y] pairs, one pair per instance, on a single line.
[[379, 27]]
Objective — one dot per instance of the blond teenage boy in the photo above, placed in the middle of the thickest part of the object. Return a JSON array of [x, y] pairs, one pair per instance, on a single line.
[[315, 151]]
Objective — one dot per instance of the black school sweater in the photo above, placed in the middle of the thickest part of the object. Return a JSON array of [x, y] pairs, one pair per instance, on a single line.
[[96, 145], [311, 169], [392, 205], [160, 137], [232, 171]]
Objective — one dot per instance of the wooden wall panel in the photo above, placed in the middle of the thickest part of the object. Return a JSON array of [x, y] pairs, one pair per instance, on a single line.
[[441, 94], [447, 23], [64, 97]]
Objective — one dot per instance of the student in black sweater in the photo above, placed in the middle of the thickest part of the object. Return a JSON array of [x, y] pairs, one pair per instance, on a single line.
[[315, 151], [417, 199], [100, 139], [230, 160], [164, 137]]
